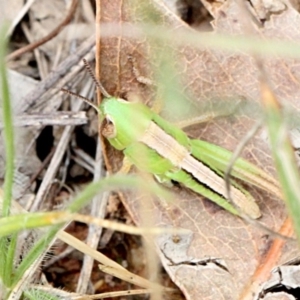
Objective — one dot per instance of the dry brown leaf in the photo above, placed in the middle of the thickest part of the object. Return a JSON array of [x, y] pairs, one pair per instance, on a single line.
[[231, 249]]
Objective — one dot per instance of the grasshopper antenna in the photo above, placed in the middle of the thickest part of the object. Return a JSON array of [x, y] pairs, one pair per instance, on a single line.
[[97, 82], [81, 97]]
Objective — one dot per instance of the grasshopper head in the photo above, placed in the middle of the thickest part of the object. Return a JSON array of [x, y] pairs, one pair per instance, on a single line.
[[123, 122]]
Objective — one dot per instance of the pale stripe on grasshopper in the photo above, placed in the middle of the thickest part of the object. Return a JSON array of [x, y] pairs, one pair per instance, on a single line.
[[165, 145]]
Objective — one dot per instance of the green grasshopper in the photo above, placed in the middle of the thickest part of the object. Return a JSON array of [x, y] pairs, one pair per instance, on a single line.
[[156, 146]]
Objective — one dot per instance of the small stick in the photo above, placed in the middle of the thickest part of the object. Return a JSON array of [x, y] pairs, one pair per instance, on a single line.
[[46, 38]]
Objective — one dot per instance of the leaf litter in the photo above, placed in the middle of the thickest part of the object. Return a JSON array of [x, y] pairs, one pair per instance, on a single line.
[[222, 250]]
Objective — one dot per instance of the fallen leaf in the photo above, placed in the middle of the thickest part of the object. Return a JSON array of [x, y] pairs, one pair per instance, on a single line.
[[222, 253]]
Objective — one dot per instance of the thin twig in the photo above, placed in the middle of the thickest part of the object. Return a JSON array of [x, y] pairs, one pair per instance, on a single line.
[[235, 155], [56, 118], [48, 37], [19, 16], [54, 165], [227, 172], [55, 76], [98, 209]]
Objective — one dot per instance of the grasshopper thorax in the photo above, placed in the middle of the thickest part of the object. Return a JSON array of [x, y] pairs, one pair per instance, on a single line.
[[123, 122]]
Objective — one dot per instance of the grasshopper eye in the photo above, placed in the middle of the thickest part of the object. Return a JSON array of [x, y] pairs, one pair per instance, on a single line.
[[108, 128]]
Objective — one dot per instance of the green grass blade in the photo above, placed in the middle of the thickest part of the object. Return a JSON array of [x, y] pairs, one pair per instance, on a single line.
[[15, 223], [3, 250], [7, 257], [283, 155], [9, 262], [8, 128], [110, 183], [35, 254], [113, 183], [35, 294]]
